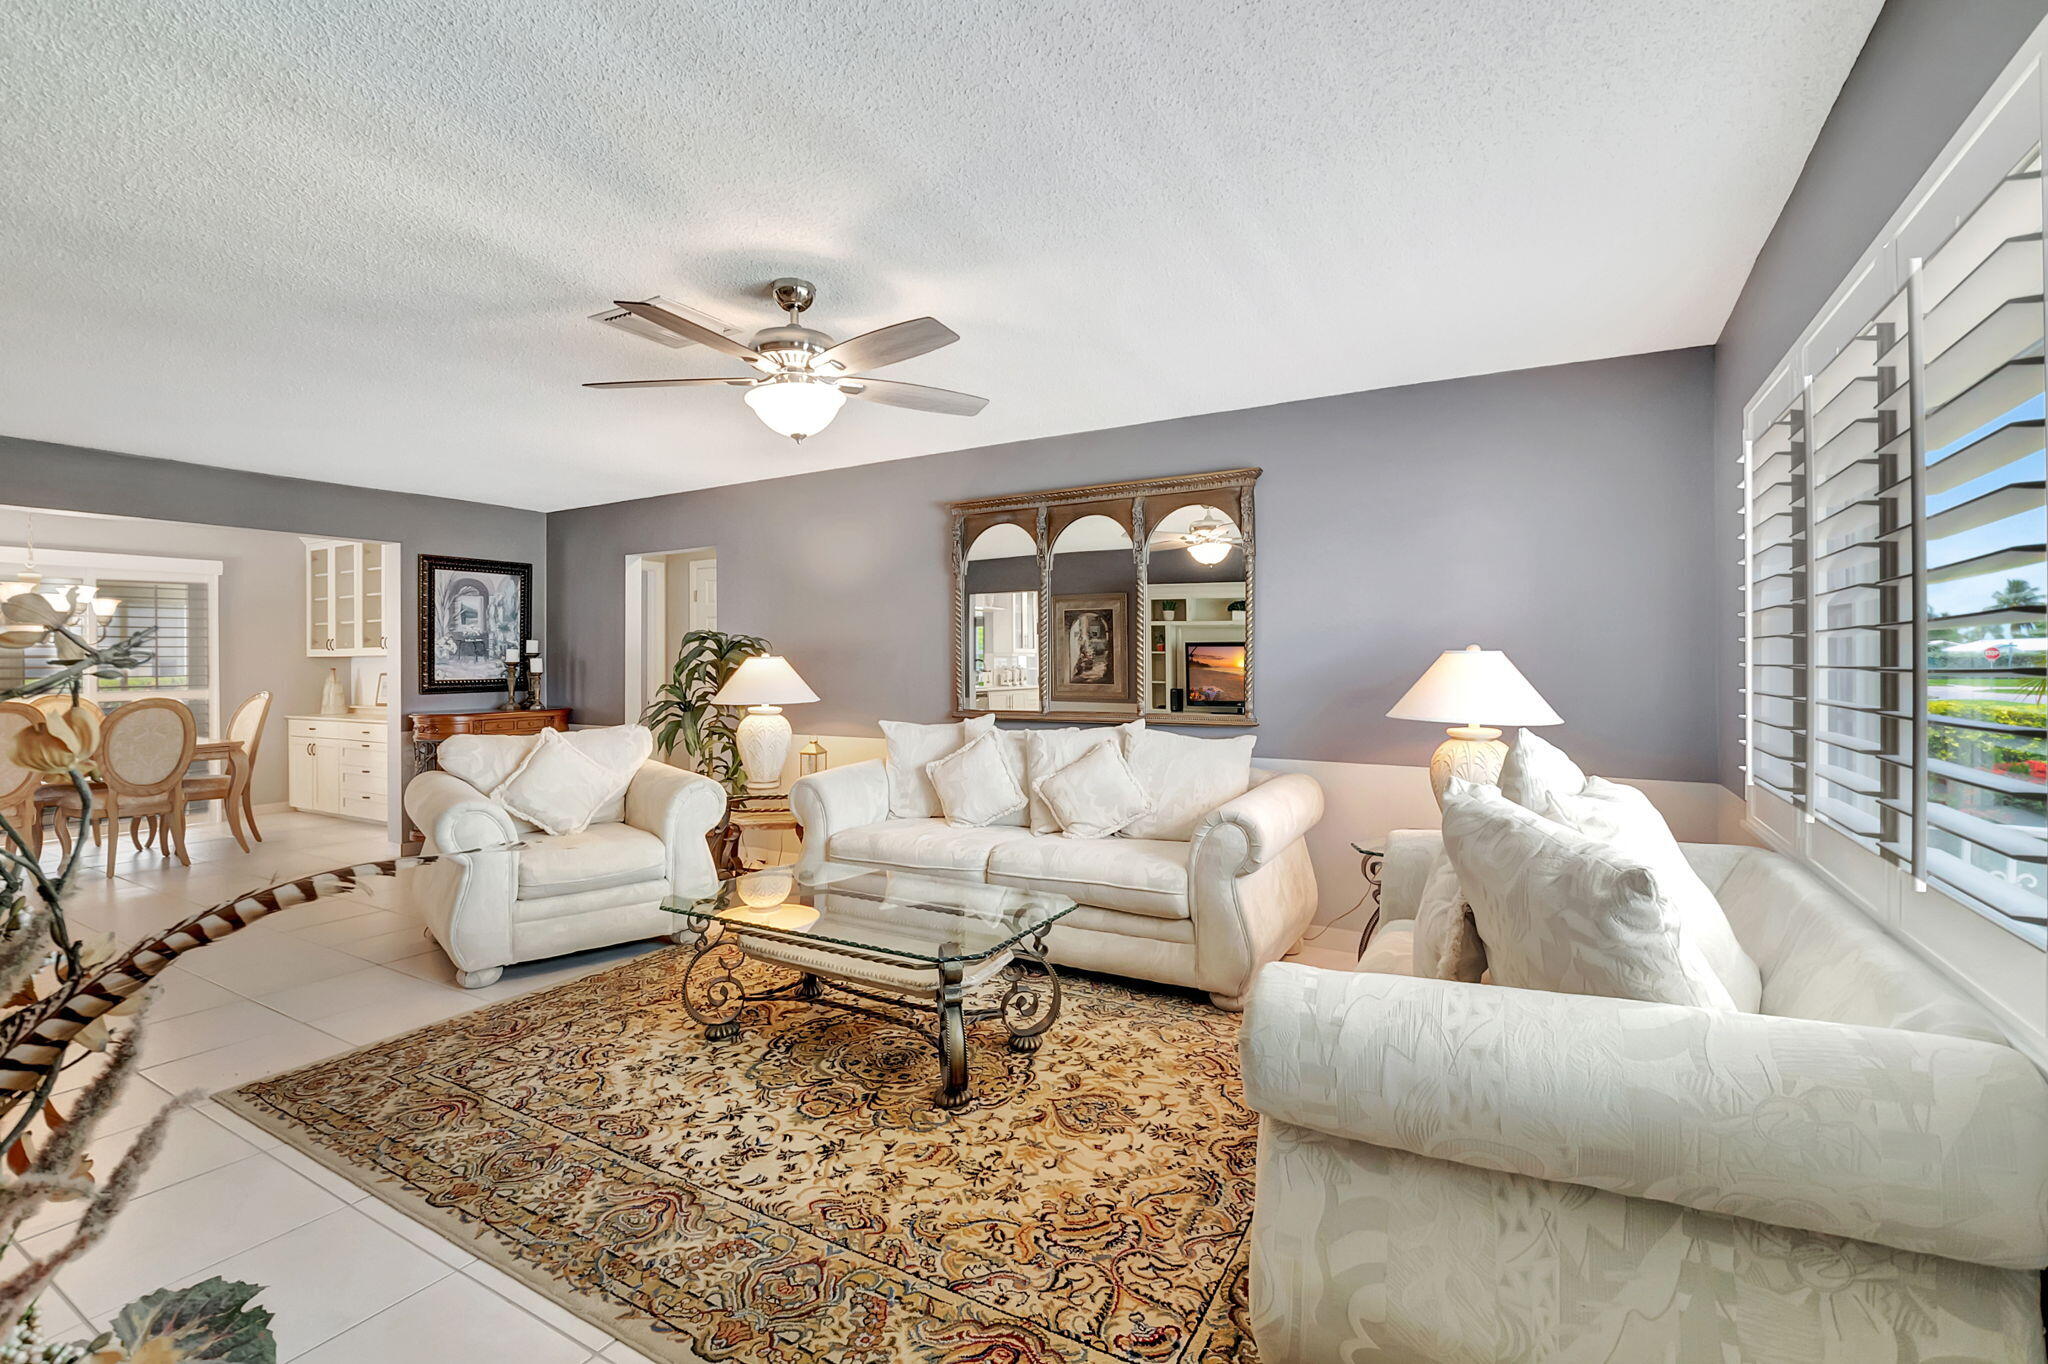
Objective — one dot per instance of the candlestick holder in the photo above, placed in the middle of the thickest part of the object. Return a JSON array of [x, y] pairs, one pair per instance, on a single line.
[[511, 686]]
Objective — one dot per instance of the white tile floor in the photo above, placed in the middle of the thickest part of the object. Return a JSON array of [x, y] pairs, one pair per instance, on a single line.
[[348, 1279]]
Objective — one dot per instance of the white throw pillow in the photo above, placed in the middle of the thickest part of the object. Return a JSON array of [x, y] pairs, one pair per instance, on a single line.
[[1186, 778], [1016, 758], [561, 785], [911, 747], [1622, 817], [1047, 751], [1446, 945], [975, 785], [1096, 794], [483, 760], [616, 748], [1560, 911], [1536, 770]]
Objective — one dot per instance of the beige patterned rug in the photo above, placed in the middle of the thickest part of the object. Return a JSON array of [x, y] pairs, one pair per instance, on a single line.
[[794, 1194]]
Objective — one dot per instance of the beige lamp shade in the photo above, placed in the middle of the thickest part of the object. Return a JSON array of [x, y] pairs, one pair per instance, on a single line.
[[767, 680], [1474, 687]]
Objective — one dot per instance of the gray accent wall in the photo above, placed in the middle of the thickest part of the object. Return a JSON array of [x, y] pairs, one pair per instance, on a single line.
[[72, 478], [1554, 513], [1923, 69]]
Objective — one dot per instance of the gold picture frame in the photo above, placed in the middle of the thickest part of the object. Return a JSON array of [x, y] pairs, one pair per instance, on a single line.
[[1091, 643]]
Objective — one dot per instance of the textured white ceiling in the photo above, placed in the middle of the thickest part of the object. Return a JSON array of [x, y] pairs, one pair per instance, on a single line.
[[357, 239]]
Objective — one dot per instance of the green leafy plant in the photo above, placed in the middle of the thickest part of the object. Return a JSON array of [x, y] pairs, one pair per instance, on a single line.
[[682, 715]]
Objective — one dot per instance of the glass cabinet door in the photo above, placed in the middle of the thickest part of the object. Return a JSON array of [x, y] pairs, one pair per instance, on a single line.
[[348, 586], [374, 577], [319, 599]]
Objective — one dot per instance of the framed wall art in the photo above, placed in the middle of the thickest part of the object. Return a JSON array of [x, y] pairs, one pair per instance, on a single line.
[[1091, 647], [470, 612]]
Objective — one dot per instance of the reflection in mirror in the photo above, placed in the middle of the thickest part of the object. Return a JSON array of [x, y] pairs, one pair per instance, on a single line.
[[1002, 620], [1194, 569], [1094, 636]]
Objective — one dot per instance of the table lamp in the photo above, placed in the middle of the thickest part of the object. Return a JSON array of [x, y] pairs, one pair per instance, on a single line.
[[1472, 689], [763, 684]]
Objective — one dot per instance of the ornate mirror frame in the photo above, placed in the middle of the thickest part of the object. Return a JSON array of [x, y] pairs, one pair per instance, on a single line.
[[1138, 506]]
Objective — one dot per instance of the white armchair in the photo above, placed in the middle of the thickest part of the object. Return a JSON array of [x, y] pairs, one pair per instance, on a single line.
[[1855, 1173], [555, 893], [1204, 913]]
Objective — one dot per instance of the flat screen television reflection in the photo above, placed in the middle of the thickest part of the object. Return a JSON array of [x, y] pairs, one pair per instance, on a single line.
[[1215, 677]]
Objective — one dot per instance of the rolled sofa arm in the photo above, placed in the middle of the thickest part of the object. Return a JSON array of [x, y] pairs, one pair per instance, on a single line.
[[455, 816], [1411, 855], [838, 798], [1912, 1140], [679, 808], [1270, 818]]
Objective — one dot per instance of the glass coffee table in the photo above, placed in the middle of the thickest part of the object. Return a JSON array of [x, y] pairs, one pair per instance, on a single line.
[[860, 937]]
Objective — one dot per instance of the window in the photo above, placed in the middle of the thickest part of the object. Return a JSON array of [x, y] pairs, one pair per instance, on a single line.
[[174, 596], [1894, 551]]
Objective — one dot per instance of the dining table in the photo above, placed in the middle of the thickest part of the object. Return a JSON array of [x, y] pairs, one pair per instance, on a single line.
[[230, 751]]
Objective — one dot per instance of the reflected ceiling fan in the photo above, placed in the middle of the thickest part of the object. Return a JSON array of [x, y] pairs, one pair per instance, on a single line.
[[1208, 540], [805, 375]]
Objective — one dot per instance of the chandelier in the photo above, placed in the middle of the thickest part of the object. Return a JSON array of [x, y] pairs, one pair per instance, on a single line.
[[29, 611]]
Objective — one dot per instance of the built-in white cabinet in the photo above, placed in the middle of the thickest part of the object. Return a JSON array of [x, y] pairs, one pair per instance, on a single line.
[[336, 766], [350, 587]]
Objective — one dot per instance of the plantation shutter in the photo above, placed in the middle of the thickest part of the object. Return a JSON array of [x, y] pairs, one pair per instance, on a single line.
[[180, 650], [1984, 527], [1863, 741], [1777, 599]]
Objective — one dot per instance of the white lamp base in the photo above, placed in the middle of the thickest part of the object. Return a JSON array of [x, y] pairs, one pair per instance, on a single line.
[[763, 738], [1473, 752]]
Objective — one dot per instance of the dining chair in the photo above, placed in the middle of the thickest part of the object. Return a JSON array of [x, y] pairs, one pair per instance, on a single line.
[[52, 792], [231, 787], [18, 785], [145, 748]]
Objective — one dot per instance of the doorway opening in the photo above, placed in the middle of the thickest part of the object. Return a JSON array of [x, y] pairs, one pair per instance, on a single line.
[[668, 595]]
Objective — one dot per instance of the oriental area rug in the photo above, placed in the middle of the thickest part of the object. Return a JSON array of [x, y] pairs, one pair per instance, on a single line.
[[794, 1194]]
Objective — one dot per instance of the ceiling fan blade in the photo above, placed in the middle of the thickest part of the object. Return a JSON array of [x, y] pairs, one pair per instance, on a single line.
[[669, 383], [887, 345], [916, 396], [683, 326]]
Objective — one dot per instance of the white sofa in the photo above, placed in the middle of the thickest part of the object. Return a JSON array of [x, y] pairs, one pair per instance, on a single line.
[[1205, 913], [557, 893], [1454, 1172]]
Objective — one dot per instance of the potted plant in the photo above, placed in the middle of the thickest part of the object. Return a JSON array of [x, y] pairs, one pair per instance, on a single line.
[[682, 715]]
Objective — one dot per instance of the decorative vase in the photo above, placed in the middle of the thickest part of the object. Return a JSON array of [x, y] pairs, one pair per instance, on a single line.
[[333, 700]]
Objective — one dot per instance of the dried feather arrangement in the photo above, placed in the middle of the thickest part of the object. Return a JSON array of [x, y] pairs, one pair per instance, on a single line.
[[62, 998]]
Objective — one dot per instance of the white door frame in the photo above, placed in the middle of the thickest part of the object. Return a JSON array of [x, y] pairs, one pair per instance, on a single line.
[[646, 584]]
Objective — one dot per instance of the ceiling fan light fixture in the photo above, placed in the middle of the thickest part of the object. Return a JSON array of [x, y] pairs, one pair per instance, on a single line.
[[1210, 540], [795, 405]]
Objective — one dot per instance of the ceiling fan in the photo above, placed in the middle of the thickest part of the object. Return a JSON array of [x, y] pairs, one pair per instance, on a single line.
[[805, 375], [1208, 540]]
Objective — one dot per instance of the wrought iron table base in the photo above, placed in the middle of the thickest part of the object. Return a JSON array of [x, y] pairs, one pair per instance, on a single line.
[[1027, 1008]]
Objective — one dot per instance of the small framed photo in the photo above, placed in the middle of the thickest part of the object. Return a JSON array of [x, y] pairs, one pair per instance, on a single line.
[[470, 612], [1091, 648]]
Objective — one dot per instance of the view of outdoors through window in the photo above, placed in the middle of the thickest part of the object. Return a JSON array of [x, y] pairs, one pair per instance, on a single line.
[[1983, 534]]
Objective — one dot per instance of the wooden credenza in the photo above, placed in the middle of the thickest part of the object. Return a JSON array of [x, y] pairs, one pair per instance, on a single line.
[[429, 728]]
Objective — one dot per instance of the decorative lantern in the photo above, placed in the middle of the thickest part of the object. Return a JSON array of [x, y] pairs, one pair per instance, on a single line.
[[811, 758]]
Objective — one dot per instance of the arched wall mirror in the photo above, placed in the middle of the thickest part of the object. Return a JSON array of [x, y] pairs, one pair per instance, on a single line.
[[1109, 601]]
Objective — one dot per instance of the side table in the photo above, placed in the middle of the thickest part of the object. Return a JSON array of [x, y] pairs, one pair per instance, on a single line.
[[1372, 864], [745, 814]]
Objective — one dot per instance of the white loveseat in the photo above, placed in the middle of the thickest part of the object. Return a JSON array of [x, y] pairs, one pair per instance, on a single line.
[[556, 893], [1205, 913], [1456, 1172]]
